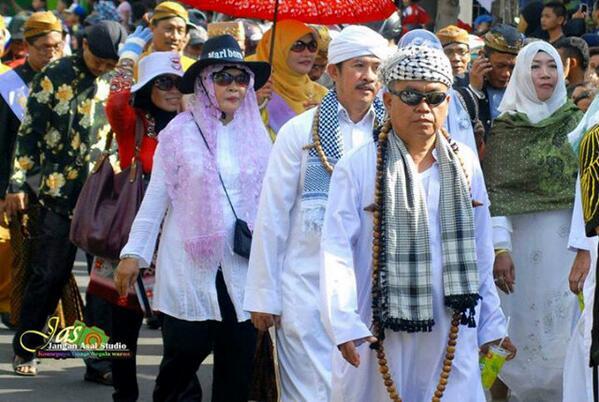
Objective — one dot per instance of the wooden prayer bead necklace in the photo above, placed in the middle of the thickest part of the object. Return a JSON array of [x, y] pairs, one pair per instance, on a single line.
[[317, 144], [378, 257]]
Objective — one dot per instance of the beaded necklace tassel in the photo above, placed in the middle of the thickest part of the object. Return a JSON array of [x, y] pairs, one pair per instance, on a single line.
[[378, 259]]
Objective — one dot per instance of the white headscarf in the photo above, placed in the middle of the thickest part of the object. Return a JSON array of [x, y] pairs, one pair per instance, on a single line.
[[520, 95], [356, 41], [590, 119]]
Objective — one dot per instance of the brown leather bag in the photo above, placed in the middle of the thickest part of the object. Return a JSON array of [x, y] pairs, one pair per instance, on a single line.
[[108, 204]]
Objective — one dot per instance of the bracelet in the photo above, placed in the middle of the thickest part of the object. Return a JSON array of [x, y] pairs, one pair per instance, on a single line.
[[132, 256], [499, 251]]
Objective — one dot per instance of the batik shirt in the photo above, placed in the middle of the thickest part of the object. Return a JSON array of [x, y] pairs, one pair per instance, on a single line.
[[64, 119]]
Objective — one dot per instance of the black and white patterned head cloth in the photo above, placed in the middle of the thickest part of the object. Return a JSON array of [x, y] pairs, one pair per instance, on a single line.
[[417, 63]]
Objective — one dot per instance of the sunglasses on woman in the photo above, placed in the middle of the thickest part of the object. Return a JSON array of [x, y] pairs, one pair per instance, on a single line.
[[166, 83], [299, 46], [412, 97], [224, 78]]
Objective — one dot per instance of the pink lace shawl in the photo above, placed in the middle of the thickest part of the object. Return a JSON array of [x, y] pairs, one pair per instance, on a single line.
[[192, 180]]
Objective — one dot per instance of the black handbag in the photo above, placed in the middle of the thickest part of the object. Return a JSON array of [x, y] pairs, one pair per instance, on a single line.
[[242, 238]]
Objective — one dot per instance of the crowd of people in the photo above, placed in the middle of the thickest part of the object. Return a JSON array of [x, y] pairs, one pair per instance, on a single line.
[[336, 213]]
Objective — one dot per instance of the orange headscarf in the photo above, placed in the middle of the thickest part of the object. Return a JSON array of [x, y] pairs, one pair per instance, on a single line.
[[294, 88]]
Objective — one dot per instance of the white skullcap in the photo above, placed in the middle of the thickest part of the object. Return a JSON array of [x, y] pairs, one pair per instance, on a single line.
[[357, 41], [417, 63]]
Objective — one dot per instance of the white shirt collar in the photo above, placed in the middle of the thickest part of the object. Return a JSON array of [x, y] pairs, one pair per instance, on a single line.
[[344, 115]]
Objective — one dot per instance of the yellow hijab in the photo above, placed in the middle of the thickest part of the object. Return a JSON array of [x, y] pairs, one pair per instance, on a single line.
[[294, 88]]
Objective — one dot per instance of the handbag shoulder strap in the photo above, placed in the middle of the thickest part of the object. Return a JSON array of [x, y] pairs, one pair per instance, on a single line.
[[139, 134], [217, 171]]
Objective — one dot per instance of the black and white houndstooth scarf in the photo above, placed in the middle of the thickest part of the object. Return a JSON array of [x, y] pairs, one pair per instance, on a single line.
[[317, 179], [406, 280]]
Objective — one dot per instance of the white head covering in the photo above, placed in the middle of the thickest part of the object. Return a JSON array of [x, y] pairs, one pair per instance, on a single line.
[[590, 119], [155, 64], [420, 37], [357, 41], [520, 95]]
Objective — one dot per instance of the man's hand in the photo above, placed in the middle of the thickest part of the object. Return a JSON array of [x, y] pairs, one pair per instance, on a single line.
[[579, 271], [480, 67], [579, 14], [125, 275], [506, 344], [135, 43], [15, 202], [349, 351], [263, 321], [264, 93], [504, 272]]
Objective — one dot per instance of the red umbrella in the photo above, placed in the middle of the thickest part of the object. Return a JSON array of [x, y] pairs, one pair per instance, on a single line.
[[324, 12]]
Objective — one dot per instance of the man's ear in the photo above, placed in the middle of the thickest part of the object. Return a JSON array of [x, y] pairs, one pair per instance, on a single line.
[[387, 99], [333, 71], [573, 62]]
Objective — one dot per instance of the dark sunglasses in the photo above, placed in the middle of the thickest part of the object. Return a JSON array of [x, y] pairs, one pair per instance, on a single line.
[[166, 83], [412, 97], [224, 78], [300, 46]]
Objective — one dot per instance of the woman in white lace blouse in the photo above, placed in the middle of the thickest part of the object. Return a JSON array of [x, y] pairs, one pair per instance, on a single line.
[[207, 172]]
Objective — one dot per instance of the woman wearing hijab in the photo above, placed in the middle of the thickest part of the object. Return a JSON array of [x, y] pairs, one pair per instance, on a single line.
[[292, 90], [206, 177], [530, 171]]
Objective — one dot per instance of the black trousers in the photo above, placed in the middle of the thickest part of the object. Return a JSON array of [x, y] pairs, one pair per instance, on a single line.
[[125, 329], [52, 258], [188, 343], [97, 312]]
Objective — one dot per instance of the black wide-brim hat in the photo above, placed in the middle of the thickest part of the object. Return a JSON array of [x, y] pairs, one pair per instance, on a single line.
[[223, 49]]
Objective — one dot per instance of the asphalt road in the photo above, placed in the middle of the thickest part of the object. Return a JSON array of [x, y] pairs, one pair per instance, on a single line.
[[62, 380]]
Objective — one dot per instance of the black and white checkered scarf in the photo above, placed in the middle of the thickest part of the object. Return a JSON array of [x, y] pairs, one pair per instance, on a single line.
[[317, 179], [406, 284]]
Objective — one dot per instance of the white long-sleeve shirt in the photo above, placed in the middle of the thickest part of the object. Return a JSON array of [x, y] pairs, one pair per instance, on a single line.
[[415, 359], [280, 247], [184, 290]]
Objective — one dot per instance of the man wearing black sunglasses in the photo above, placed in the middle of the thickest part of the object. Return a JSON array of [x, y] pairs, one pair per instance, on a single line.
[[283, 278], [406, 250]]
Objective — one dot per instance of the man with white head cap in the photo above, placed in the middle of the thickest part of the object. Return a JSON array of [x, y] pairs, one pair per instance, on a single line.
[[406, 254], [283, 277]]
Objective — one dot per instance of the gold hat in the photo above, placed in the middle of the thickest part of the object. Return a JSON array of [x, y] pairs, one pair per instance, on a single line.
[[233, 28], [170, 9], [41, 23], [504, 38], [323, 38], [452, 34]]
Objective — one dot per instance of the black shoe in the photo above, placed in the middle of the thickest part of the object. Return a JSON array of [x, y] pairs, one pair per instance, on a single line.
[[98, 377], [5, 318]]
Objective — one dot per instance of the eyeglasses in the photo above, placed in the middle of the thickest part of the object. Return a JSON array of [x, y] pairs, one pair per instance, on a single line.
[[300, 46], [224, 78], [166, 83], [56, 48], [412, 97]]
